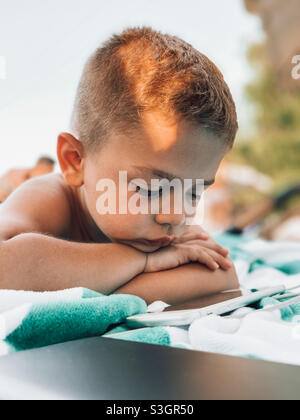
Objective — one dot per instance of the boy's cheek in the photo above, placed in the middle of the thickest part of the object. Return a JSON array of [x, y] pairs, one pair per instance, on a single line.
[[124, 227]]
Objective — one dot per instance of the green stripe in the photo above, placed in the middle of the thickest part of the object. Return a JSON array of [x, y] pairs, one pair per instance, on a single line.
[[234, 241], [291, 268], [57, 322], [89, 294], [155, 335]]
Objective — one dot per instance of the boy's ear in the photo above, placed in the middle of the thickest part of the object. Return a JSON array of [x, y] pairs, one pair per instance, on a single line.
[[70, 156]]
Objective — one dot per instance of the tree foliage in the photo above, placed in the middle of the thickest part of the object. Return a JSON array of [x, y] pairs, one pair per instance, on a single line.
[[275, 147]]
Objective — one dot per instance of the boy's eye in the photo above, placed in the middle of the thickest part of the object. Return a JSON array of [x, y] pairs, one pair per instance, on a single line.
[[148, 193], [158, 193]]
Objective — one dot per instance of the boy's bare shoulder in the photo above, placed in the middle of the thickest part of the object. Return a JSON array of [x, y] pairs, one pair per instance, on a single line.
[[39, 205]]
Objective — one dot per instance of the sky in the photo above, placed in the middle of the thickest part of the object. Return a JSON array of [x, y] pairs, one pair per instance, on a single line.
[[44, 45]]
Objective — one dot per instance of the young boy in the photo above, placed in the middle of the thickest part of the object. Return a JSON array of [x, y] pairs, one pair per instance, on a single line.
[[153, 107]]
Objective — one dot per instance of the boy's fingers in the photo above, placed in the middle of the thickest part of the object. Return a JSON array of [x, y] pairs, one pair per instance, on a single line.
[[218, 248], [223, 262], [213, 245], [192, 236], [202, 233], [209, 261], [224, 251]]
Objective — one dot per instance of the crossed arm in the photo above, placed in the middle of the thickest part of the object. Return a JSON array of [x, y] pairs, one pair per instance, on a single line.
[[38, 262], [182, 284]]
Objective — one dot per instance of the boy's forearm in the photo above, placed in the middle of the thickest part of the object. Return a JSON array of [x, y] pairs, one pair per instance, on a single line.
[[182, 284], [39, 262]]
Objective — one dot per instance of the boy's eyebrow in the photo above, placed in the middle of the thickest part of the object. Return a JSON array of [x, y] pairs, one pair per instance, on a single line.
[[162, 174]]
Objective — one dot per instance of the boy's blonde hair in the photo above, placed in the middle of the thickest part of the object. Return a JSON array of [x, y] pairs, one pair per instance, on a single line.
[[142, 70]]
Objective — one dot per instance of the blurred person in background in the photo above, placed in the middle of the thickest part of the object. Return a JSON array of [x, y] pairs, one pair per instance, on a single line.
[[15, 177]]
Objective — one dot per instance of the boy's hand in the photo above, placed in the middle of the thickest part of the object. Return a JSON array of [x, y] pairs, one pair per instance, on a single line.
[[198, 233], [190, 247]]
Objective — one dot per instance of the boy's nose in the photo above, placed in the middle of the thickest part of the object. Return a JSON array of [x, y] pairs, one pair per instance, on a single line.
[[174, 220], [173, 214]]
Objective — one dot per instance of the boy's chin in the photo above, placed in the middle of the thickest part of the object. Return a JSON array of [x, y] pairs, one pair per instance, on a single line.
[[141, 246]]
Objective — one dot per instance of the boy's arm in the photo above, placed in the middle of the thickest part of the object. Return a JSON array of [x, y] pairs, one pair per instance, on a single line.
[[38, 262], [30, 259], [182, 284]]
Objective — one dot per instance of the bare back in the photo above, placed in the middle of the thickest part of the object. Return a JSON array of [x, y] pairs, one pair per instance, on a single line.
[[45, 205]]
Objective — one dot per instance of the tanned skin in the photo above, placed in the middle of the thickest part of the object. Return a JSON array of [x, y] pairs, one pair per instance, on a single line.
[[52, 237]]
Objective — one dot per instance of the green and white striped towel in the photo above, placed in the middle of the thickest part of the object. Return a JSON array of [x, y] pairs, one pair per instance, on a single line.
[[29, 320]]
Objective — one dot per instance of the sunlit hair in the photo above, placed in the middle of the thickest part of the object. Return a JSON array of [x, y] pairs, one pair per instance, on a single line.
[[142, 70]]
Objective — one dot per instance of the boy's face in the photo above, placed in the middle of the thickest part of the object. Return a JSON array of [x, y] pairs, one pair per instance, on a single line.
[[176, 148]]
